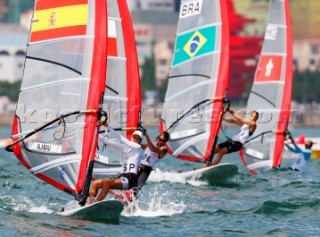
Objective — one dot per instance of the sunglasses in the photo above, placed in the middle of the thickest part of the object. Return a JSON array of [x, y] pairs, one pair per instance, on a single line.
[[161, 140]]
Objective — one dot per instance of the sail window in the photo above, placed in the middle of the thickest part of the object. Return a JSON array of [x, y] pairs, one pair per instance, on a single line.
[[4, 53], [20, 53]]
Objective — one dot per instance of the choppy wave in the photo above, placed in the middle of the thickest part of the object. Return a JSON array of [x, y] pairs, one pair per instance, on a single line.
[[277, 203]]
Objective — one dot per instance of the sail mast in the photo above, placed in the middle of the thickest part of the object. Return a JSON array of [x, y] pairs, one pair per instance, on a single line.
[[287, 95], [132, 68], [96, 88]]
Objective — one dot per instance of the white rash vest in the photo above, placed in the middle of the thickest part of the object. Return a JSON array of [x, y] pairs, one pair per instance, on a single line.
[[131, 152], [149, 157]]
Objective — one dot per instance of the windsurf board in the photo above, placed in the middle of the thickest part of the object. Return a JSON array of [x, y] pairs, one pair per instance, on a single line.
[[212, 173], [103, 210]]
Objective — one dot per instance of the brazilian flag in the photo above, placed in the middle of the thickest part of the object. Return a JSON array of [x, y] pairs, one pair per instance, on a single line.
[[194, 44]]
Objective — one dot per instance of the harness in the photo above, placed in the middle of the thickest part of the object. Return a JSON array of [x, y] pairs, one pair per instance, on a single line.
[[145, 168]]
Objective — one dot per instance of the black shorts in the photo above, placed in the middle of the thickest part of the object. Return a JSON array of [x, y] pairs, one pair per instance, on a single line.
[[132, 179], [232, 146], [144, 168]]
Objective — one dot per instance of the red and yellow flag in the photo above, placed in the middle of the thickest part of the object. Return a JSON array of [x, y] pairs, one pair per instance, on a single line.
[[59, 18], [269, 68]]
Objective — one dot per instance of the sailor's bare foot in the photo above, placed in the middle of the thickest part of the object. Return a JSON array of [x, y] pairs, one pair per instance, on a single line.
[[207, 164], [90, 200]]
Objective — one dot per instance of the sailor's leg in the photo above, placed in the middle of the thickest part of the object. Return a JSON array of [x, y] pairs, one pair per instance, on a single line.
[[143, 177], [216, 149], [108, 184], [221, 153], [208, 163], [94, 190]]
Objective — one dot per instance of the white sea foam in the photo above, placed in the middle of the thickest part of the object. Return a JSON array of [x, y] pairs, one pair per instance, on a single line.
[[41, 209], [173, 177], [31, 206], [159, 203]]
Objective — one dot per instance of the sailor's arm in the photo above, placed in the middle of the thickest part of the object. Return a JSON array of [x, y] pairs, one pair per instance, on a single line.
[[106, 140], [152, 147], [241, 120], [298, 149], [122, 139], [109, 142], [234, 121], [295, 148], [162, 152]]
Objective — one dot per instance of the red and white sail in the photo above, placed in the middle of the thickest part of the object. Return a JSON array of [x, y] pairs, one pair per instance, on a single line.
[[65, 71], [271, 92]]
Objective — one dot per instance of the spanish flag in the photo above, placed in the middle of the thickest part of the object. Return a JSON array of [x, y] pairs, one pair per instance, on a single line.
[[59, 18]]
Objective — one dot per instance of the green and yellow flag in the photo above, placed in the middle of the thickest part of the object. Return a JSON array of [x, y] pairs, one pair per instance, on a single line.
[[194, 44]]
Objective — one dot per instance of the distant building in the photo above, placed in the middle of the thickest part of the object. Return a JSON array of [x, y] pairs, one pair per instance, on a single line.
[[25, 19], [163, 53], [244, 52], [6, 106], [306, 54], [13, 9], [13, 40], [158, 5], [305, 19], [304, 16], [132, 5], [3, 10], [154, 30]]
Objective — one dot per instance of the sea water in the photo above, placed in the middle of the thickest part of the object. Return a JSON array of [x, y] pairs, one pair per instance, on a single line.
[[279, 203]]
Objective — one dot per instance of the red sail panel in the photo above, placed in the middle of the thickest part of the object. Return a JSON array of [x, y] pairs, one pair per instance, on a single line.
[[223, 78], [287, 96], [112, 47], [96, 89], [47, 4], [269, 68], [133, 77], [58, 33], [112, 39]]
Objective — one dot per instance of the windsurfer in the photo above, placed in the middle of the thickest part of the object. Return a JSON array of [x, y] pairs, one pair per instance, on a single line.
[[131, 157], [154, 151], [235, 144], [304, 154]]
